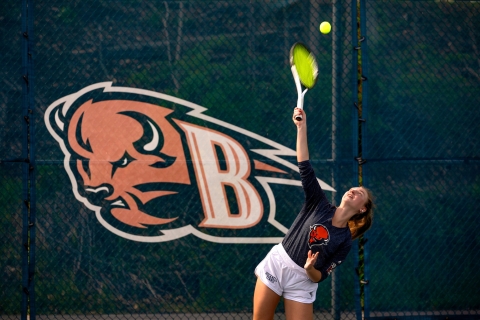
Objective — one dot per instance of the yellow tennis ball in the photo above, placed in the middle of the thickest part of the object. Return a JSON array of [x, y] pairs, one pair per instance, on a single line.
[[325, 27]]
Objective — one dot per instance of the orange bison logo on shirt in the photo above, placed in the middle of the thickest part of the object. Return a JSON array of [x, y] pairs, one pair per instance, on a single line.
[[318, 235]]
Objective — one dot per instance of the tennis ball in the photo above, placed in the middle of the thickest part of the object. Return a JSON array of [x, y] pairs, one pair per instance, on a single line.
[[325, 27]]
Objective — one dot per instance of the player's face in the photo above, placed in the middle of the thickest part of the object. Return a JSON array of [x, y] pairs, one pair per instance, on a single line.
[[356, 198]]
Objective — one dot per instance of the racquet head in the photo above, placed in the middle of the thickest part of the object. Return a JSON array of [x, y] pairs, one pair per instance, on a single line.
[[305, 64]]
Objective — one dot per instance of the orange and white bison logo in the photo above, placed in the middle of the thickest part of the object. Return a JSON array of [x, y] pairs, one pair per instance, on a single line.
[[140, 168], [121, 145], [318, 236]]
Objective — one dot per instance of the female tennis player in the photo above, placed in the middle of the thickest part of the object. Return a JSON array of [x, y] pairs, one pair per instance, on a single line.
[[317, 242]]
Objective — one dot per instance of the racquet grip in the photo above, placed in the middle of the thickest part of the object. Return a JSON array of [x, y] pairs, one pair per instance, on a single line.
[[299, 117]]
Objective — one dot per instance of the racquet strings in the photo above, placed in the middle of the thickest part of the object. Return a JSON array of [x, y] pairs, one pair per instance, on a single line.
[[306, 65]]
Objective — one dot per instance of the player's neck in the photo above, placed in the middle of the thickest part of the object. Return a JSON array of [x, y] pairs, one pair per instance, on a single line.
[[341, 217]]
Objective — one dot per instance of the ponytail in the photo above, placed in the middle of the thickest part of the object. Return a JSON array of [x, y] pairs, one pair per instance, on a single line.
[[361, 222]]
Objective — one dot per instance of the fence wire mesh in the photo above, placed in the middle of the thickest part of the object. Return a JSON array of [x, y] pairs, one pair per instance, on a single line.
[[11, 134], [128, 228], [11, 249], [422, 144]]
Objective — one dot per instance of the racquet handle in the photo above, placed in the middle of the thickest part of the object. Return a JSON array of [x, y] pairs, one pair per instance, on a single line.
[[301, 96]]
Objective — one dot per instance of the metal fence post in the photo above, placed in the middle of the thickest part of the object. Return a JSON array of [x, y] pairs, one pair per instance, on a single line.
[[364, 146], [336, 103], [28, 174], [355, 180]]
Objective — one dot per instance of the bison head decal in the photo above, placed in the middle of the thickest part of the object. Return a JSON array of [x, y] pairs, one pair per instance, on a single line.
[[117, 147]]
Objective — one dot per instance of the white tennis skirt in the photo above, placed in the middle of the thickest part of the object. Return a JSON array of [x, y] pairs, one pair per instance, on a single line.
[[281, 274]]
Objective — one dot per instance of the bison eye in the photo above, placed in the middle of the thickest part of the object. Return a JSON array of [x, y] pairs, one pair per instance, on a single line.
[[166, 162], [122, 163]]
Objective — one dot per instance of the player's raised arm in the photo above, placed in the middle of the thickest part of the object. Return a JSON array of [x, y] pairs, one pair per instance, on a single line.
[[302, 144]]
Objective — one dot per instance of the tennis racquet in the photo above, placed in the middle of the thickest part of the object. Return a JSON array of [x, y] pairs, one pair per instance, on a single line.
[[305, 71]]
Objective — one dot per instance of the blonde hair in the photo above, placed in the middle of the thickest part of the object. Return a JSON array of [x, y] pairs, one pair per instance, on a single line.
[[361, 222]]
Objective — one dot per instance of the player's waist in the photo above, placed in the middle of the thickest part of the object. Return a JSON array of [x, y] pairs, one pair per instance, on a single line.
[[287, 260]]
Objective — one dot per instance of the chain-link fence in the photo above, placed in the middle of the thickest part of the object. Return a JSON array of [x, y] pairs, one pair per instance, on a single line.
[[148, 164], [422, 144]]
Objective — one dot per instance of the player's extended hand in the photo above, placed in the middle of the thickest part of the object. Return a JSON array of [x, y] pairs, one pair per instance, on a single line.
[[311, 259], [301, 112]]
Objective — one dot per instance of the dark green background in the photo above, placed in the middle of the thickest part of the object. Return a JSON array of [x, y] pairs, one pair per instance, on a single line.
[[420, 139]]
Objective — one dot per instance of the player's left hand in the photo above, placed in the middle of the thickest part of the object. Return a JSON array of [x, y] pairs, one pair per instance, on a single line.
[[311, 259]]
